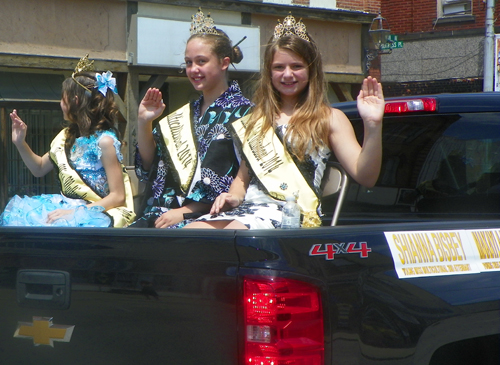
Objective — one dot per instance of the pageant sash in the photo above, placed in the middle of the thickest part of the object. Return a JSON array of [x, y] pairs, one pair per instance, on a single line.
[[276, 170], [179, 140], [73, 186]]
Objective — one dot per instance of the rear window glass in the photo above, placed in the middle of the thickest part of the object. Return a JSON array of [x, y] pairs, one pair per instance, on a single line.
[[433, 165]]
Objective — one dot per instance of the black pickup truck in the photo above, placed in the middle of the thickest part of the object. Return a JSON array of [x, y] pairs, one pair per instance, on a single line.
[[408, 275]]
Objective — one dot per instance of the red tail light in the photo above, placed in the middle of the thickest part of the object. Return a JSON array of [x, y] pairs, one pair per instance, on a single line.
[[283, 322], [411, 105]]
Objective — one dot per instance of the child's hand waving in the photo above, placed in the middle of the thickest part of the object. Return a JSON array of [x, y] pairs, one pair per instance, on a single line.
[[371, 102], [151, 106], [19, 128]]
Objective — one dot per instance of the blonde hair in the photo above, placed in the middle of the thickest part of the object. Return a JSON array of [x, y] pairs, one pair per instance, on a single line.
[[309, 124]]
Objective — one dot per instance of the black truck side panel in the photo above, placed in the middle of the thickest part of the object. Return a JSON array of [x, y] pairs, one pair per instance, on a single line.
[[137, 296]]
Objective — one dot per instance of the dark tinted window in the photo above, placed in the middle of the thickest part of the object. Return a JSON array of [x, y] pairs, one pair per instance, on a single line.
[[434, 166]]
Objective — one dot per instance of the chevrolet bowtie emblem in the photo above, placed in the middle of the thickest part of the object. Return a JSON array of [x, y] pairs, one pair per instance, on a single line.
[[43, 332]]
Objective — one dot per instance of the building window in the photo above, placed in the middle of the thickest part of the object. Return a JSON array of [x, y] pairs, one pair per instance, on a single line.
[[44, 124], [454, 8]]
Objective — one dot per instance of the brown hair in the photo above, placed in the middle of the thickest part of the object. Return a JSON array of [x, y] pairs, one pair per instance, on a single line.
[[88, 111], [309, 124], [221, 45]]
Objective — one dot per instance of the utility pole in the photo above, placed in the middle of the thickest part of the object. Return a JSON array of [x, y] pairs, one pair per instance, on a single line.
[[489, 57]]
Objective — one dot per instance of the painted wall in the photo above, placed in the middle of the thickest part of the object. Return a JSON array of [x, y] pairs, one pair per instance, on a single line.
[[64, 28], [339, 43]]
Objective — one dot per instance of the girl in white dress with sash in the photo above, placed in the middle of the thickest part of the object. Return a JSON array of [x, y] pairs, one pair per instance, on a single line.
[[289, 136]]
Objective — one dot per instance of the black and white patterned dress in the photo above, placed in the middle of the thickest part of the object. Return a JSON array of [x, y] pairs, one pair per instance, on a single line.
[[261, 211], [218, 162]]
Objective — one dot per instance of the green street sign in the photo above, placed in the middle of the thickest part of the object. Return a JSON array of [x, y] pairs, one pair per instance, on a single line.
[[392, 45]]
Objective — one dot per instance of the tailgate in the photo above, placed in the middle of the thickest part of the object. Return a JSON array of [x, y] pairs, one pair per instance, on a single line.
[[132, 296]]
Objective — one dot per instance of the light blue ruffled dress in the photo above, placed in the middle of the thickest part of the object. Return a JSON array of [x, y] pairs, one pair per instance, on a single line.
[[85, 158]]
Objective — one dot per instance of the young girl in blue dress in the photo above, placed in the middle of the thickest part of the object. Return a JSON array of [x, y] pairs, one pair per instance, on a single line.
[[189, 158], [95, 190]]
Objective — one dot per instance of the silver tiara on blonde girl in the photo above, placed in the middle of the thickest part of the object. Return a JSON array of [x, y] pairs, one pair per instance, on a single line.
[[104, 81], [201, 24], [290, 27]]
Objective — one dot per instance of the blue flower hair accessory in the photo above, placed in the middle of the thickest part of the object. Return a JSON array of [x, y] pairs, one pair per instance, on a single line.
[[106, 81]]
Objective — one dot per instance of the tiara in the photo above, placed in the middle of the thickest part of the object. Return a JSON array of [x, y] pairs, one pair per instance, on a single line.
[[290, 27], [201, 24], [104, 81], [83, 65]]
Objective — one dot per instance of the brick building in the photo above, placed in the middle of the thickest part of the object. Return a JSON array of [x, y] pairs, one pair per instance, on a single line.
[[443, 46]]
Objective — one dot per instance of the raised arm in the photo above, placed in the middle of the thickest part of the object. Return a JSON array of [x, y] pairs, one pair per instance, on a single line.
[[151, 107], [363, 163], [38, 165]]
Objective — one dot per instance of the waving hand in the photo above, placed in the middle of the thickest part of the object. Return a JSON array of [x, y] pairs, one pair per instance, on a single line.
[[371, 102], [151, 106]]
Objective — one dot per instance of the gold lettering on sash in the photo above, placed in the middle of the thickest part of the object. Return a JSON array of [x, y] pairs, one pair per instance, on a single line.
[[268, 159], [276, 170], [181, 145]]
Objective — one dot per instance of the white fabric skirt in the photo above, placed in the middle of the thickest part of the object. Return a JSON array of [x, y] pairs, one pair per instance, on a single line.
[[258, 211]]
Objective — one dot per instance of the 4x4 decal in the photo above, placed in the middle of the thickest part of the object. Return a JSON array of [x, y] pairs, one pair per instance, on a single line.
[[330, 249]]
